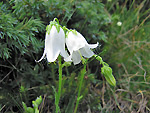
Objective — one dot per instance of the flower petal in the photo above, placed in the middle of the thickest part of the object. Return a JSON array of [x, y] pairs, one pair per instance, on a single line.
[[61, 45], [67, 58], [55, 44], [93, 45], [42, 56], [75, 42], [76, 57], [52, 55], [86, 52]]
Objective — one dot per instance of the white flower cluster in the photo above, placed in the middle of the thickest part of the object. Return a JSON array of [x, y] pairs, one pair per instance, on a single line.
[[76, 44]]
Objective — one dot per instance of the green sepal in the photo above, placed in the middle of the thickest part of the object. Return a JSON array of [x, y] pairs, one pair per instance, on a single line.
[[48, 28], [55, 23], [107, 72], [66, 30], [57, 27], [73, 31], [84, 61], [67, 33], [66, 64]]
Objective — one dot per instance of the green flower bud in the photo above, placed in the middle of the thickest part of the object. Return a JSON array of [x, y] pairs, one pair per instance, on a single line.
[[107, 72]]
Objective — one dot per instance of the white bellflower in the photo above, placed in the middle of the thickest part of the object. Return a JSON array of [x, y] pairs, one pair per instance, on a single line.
[[78, 46], [54, 43]]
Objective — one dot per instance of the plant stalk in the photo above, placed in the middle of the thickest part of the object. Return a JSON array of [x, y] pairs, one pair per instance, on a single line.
[[59, 86], [80, 86]]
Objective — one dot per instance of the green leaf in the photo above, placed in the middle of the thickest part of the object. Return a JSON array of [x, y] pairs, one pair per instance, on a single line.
[[22, 89], [24, 106], [70, 105], [38, 101], [56, 99], [36, 110], [34, 104], [79, 98], [30, 110]]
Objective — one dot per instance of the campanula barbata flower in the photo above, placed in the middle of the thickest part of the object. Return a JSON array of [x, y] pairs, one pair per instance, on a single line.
[[78, 46], [54, 43]]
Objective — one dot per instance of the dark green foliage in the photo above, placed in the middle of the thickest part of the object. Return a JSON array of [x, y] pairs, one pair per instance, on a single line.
[[22, 33], [18, 36], [35, 105], [90, 18]]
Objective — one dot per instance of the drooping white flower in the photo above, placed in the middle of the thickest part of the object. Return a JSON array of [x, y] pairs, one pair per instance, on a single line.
[[78, 46], [54, 43]]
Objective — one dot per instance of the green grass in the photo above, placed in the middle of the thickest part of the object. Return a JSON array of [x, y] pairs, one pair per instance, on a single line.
[[127, 51]]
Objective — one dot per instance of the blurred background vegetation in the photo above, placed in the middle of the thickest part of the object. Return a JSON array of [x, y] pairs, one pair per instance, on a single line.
[[124, 47]]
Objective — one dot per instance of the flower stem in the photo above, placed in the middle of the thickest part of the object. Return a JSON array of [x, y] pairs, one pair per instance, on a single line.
[[80, 85], [60, 77], [53, 72], [59, 86]]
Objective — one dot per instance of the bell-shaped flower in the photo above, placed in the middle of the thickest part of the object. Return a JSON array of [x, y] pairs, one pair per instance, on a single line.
[[78, 46], [54, 43]]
